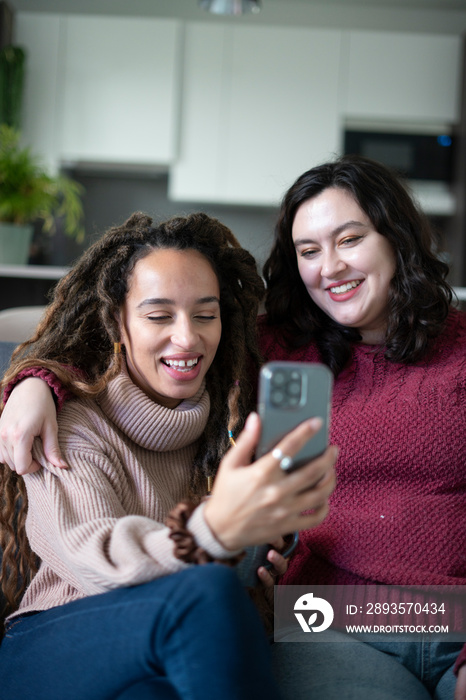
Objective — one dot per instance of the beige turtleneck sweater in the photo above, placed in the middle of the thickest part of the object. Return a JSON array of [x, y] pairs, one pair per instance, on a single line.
[[98, 525]]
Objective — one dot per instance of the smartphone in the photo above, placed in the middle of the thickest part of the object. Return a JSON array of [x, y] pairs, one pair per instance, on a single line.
[[289, 393]]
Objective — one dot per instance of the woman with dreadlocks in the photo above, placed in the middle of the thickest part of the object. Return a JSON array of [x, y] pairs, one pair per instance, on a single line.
[[152, 334]]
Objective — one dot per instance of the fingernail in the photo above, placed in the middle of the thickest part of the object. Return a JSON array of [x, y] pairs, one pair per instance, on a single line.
[[316, 423], [251, 420]]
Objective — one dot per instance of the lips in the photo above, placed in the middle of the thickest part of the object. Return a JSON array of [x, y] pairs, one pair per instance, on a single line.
[[344, 290], [182, 369]]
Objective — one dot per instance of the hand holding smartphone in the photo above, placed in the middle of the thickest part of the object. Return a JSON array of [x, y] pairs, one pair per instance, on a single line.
[[289, 393]]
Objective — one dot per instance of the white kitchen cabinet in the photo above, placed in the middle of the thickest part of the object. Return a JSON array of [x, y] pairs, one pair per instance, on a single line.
[[119, 89], [260, 106], [195, 174], [402, 76], [39, 35]]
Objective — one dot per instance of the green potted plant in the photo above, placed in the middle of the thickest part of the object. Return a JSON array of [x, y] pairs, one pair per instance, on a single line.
[[12, 70], [28, 193]]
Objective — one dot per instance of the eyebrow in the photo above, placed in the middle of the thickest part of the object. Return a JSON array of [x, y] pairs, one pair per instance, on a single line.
[[170, 302], [336, 231]]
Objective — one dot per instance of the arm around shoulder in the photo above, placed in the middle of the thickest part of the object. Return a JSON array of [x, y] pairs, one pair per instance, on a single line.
[[29, 412]]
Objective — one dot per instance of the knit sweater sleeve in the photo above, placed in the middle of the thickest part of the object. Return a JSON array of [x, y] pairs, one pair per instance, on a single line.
[[86, 539]]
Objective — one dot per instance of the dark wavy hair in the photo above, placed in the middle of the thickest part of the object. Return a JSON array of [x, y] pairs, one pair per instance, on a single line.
[[419, 295], [81, 325]]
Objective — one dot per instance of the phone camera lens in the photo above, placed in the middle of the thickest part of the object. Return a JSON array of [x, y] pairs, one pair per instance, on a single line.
[[294, 388], [279, 378], [277, 397]]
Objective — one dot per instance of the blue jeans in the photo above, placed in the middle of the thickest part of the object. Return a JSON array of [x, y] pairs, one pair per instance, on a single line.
[[359, 670], [193, 634]]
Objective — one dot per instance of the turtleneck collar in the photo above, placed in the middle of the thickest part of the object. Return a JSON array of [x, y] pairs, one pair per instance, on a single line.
[[149, 424]]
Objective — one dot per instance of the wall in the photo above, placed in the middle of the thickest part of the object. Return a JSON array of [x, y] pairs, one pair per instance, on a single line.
[[112, 198]]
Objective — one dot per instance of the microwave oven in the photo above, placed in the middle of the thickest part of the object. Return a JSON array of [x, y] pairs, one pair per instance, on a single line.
[[415, 156]]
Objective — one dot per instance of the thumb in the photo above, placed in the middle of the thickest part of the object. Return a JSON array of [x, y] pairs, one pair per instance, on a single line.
[[51, 448]]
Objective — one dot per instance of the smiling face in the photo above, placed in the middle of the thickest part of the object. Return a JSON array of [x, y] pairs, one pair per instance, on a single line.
[[345, 264], [170, 323]]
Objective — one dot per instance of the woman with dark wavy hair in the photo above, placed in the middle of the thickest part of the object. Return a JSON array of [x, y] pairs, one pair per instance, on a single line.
[[354, 281], [153, 332], [419, 297]]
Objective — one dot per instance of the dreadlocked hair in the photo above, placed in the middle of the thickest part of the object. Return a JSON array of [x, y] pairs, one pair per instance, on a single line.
[[75, 340], [19, 563]]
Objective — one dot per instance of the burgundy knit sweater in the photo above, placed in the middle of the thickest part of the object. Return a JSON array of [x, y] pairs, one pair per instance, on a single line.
[[398, 514]]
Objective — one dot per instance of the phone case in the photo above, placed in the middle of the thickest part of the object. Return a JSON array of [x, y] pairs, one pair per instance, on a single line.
[[289, 393]]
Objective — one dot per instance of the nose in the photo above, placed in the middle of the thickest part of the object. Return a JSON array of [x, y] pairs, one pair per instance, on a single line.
[[332, 263], [184, 333]]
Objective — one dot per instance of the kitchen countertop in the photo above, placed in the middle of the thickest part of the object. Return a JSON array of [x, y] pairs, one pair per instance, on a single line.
[[46, 272]]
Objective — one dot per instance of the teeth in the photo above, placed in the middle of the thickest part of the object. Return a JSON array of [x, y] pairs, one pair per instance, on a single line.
[[345, 287], [181, 364]]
